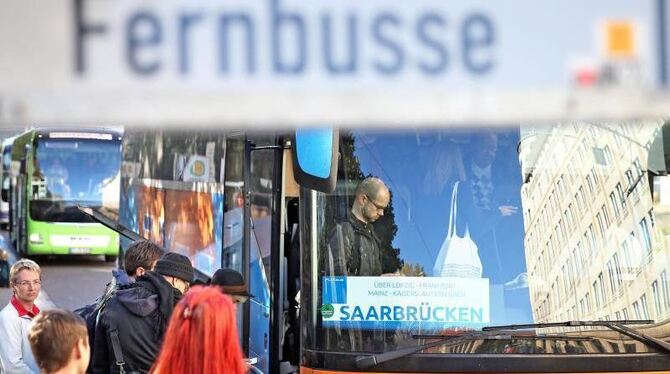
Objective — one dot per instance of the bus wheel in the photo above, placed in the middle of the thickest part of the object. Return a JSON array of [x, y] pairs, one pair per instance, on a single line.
[[110, 258]]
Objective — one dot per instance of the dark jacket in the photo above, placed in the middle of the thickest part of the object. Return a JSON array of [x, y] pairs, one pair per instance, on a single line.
[[353, 249], [139, 313]]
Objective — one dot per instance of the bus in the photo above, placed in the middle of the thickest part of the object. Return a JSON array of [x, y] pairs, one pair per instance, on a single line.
[[537, 248], [6, 152], [52, 171]]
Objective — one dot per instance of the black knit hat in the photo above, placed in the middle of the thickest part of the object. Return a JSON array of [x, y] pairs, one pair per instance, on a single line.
[[175, 265], [231, 282]]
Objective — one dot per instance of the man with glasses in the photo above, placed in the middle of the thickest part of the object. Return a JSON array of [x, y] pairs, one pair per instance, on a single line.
[[353, 246], [15, 354], [135, 318]]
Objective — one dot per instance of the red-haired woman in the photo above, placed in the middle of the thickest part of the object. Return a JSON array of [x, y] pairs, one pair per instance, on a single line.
[[201, 336]]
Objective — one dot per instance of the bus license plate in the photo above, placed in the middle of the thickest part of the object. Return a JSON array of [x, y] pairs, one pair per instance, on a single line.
[[80, 251]]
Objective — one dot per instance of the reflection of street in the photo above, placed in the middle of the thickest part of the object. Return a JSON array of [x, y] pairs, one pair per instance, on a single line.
[[67, 282]]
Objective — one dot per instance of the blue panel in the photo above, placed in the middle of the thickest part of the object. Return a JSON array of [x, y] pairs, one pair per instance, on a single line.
[[334, 290], [314, 148]]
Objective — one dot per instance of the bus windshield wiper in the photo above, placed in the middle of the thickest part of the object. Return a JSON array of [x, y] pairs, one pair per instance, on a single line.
[[115, 226], [616, 325], [369, 361]]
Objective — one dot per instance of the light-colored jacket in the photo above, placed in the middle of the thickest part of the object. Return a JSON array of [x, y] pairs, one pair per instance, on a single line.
[[15, 354]]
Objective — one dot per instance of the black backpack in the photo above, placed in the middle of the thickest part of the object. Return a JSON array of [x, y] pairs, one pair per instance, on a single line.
[[91, 311]]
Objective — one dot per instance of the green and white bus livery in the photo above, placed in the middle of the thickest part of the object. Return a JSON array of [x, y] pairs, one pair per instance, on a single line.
[[53, 170]]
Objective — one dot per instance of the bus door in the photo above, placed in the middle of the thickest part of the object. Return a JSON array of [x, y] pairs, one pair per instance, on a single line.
[[263, 219], [274, 257]]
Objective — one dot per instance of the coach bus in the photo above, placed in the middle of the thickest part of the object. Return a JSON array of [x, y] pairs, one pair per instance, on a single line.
[[6, 152], [53, 170], [521, 249]]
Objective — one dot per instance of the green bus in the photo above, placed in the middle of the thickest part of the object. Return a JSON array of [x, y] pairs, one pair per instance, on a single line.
[[52, 171]]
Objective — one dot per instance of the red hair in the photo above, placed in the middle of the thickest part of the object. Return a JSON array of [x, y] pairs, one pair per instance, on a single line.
[[202, 336]]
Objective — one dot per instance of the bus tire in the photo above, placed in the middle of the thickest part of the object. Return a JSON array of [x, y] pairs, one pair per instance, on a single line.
[[110, 258]]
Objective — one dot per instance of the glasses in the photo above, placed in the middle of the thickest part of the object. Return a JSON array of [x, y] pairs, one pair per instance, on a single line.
[[379, 207], [26, 283]]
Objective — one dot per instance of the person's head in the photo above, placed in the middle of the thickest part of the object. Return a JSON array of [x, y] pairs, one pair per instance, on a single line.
[[202, 336], [176, 269], [484, 146], [59, 339], [232, 284], [25, 278], [140, 257], [372, 198]]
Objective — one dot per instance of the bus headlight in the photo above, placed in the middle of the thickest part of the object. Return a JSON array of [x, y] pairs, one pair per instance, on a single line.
[[35, 238]]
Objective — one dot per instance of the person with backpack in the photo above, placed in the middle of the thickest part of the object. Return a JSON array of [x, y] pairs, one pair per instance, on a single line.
[[131, 326], [139, 258]]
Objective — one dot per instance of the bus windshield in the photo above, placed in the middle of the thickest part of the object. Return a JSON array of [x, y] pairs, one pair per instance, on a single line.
[[79, 171], [448, 231]]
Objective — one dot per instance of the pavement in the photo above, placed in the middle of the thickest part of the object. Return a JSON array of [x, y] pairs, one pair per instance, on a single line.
[[67, 282]]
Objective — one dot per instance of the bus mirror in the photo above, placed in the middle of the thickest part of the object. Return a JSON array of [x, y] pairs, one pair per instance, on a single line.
[[5, 194], [315, 158]]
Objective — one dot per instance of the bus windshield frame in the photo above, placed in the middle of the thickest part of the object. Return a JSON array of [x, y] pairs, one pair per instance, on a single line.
[[71, 171], [353, 309]]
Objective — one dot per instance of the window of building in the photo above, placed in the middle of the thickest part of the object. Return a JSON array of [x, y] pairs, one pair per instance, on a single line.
[[579, 204], [601, 284], [620, 194], [636, 309], [561, 187], [589, 182], [626, 248], [646, 239], [611, 274], [577, 261], [643, 305], [664, 290], [571, 273], [657, 298], [608, 155], [617, 268], [596, 179], [596, 294], [567, 221], [630, 179], [591, 238], [638, 167], [601, 224], [624, 311], [615, 204], [582, 196]]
